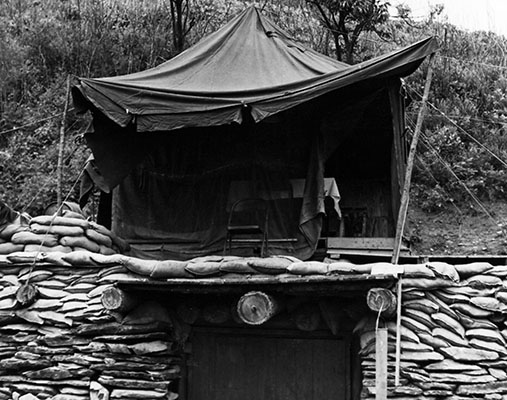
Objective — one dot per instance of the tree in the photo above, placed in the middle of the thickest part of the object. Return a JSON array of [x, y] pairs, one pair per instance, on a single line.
[[346, 20]]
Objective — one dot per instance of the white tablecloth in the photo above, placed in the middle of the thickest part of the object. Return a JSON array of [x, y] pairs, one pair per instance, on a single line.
[[330, 189]]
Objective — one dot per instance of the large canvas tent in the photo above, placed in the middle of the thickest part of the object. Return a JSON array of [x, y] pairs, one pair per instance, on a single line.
[[245, 112]]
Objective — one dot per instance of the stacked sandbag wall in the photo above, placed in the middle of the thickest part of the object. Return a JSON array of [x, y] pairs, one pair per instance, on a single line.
[[62, 344], [49, 233], [453, 334]]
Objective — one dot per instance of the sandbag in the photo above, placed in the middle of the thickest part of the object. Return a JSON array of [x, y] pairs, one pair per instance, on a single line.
[[451, 298], [45, 249], [8, 248], [420, 316], [107, 251], [469, 354], [80, 241], [238, 266], [212, 258], [204, 268], [170, 269], [444, 270], [471, 310], [483, 281], [451, 366], [499, 270], [24, 257], [488, 303], [79, 258], [157, 269], [469, 291], [27, 237], [308, 268], [56, 220], [99, 238], [475, 268], [425, 356], [450, 323], [424, 305], [117, 241], [502, 296], [411, 346], [436, 343], [417, 271], [414, 325], [474, 323], [412, 294], [444, 308], [10, 229], [107, 260], [72, 214], [428, 284], [270, 265], [489, 335], [406, 333], [488, 345], [56, 258], [449, 336], [59, 230], [346, 267]]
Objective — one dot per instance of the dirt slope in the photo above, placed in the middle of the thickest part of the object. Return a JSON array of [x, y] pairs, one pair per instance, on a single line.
[[469, 231]]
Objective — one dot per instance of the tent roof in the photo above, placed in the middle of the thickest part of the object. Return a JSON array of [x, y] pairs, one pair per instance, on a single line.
[[249, 62]]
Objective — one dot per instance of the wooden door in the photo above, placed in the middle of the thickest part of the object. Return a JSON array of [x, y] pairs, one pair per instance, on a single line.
[[234, 365]]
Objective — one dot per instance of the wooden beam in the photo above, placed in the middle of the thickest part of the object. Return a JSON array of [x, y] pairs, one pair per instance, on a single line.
[[383, 301], [402, 214], [256, 308], [116, 300]]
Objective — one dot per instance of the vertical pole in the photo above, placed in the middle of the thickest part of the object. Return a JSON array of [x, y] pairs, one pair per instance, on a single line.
[[59, 182], [402, 214], [381, 364], [398, 333]]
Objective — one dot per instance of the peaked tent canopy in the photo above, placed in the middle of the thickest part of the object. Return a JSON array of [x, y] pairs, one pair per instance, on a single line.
[[249, 62], [182, 136]]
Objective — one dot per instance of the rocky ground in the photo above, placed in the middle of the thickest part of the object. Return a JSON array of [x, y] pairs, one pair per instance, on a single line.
[[464, 231]]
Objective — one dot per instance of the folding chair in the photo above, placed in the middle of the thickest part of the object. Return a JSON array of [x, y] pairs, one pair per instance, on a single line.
[[247, 218]]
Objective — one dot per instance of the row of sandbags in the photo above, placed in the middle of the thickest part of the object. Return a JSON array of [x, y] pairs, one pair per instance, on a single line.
[[51, 233], [129, 359], [65, 346], [453, 337]]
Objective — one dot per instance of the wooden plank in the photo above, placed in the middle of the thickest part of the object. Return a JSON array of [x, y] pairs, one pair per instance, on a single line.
[[362, 243], [381, 364], [318, 285], [369, 253]]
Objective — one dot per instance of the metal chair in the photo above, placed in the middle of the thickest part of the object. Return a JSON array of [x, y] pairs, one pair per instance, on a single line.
[[248, 217]]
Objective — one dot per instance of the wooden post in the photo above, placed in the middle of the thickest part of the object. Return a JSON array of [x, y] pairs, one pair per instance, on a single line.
[[381, 364], [116, 300], [59, 182], [256, 308], [398, 333], [402, 214], [382, 300]]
